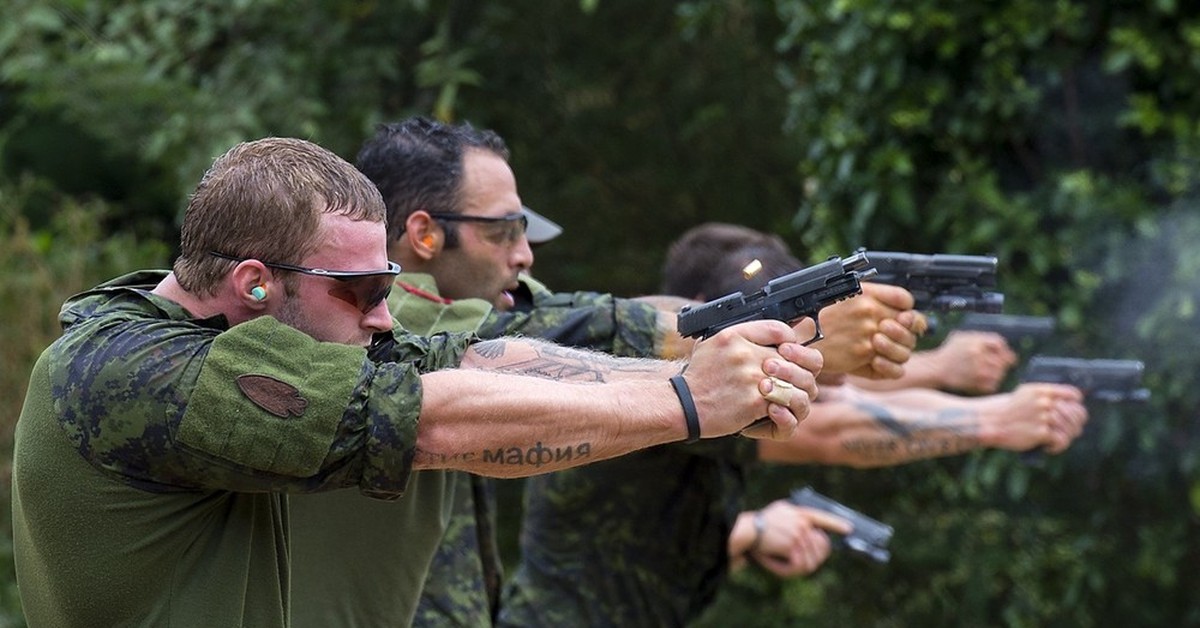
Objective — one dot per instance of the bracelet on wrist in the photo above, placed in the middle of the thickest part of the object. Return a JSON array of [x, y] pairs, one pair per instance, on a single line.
[[760, 527], [690, 416]]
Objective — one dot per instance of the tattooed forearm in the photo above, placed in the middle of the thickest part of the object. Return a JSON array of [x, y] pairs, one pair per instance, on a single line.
[[533, 457], [942, 433], [490, 349], [884, 418], [891, 449], [550, 361]]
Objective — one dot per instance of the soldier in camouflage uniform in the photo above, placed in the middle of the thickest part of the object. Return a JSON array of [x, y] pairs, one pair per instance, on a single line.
[[601, 546], [463, 586], [162, 431], [454, 213], [334, 588]]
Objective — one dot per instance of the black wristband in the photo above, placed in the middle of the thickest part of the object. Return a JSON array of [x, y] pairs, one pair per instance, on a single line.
[[689, 408]]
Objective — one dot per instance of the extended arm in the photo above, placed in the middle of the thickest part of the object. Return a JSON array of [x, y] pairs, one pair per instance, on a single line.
[[966, 361], [542, 401], [673, 345], [881, 429], [871, 335]]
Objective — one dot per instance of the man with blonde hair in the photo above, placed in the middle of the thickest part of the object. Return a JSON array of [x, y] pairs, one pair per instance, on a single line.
[[163, 430]]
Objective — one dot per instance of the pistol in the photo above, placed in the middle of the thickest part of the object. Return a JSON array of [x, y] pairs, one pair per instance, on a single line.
[[869, 537], [1112, 381], [788, 298], [1015, 328], [942, 282]]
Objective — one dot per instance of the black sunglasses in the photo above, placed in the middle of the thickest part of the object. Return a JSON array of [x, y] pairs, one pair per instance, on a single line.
[[513, 225], [363, 289]]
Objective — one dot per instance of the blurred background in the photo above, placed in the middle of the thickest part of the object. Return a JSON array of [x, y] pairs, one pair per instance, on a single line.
[[1062, 136]]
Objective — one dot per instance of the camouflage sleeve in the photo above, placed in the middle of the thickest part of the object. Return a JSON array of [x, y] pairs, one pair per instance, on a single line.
[[589, 320], [259, 407]]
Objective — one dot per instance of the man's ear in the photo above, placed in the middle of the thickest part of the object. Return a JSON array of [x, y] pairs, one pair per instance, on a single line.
[[254, 285], [425, 236]]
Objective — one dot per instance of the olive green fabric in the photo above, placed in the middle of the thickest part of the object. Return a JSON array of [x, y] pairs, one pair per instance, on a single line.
[[359, 562], [638, 540], [121, 516], [218, 423], [332, 587], [416, 305], [463, 585]]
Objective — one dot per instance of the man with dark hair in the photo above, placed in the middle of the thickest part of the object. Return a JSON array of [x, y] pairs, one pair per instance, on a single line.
[[604, 546], [456, 225], [700, 263], [690, 259], [861, 427], [162, 432]]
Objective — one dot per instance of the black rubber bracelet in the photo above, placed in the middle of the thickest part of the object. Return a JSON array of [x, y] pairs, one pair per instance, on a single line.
[[689, 408]]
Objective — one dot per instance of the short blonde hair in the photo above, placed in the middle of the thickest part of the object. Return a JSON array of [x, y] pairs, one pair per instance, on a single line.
[[264, 200]]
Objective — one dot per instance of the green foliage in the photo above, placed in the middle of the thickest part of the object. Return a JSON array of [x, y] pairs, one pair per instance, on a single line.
[[175, 83], [1060, 135], [654, 128], [41, 268]]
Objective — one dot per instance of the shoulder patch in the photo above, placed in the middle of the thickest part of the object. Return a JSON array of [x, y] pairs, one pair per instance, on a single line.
[[277, 397]]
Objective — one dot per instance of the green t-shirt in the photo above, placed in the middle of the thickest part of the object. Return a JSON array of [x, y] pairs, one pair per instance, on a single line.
[[154, 451], [462, 583], [362, 562]]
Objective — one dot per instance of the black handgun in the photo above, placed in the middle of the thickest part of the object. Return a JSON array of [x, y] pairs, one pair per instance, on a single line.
[[941, 282], [789, 298], [1015, 328], [868, 536], [1112, 381], [1103, 380]]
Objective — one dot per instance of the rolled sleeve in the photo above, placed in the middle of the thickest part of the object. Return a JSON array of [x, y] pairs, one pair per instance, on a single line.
[[258, 407], [589, 320]]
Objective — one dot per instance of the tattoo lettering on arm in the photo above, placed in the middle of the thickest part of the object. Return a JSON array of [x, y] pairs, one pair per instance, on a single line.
[[535, 456], [885, 419], [944, 433]]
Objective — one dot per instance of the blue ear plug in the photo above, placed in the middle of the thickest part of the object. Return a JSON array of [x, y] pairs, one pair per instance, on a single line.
[[259, 293]]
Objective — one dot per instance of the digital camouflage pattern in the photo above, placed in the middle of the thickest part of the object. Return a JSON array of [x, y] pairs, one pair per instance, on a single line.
[[153, 450], [638, 540], [586, 320], [463, 586], [602, 546]]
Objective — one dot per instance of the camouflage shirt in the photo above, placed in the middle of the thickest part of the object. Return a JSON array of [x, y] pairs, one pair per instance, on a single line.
[[338, 578], [638, 540], [154, 450]]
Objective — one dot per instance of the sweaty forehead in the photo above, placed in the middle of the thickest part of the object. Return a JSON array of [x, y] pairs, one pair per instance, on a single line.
[[347, 244]]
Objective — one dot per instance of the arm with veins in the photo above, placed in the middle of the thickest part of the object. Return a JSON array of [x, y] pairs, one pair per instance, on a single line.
[[867, 429]]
